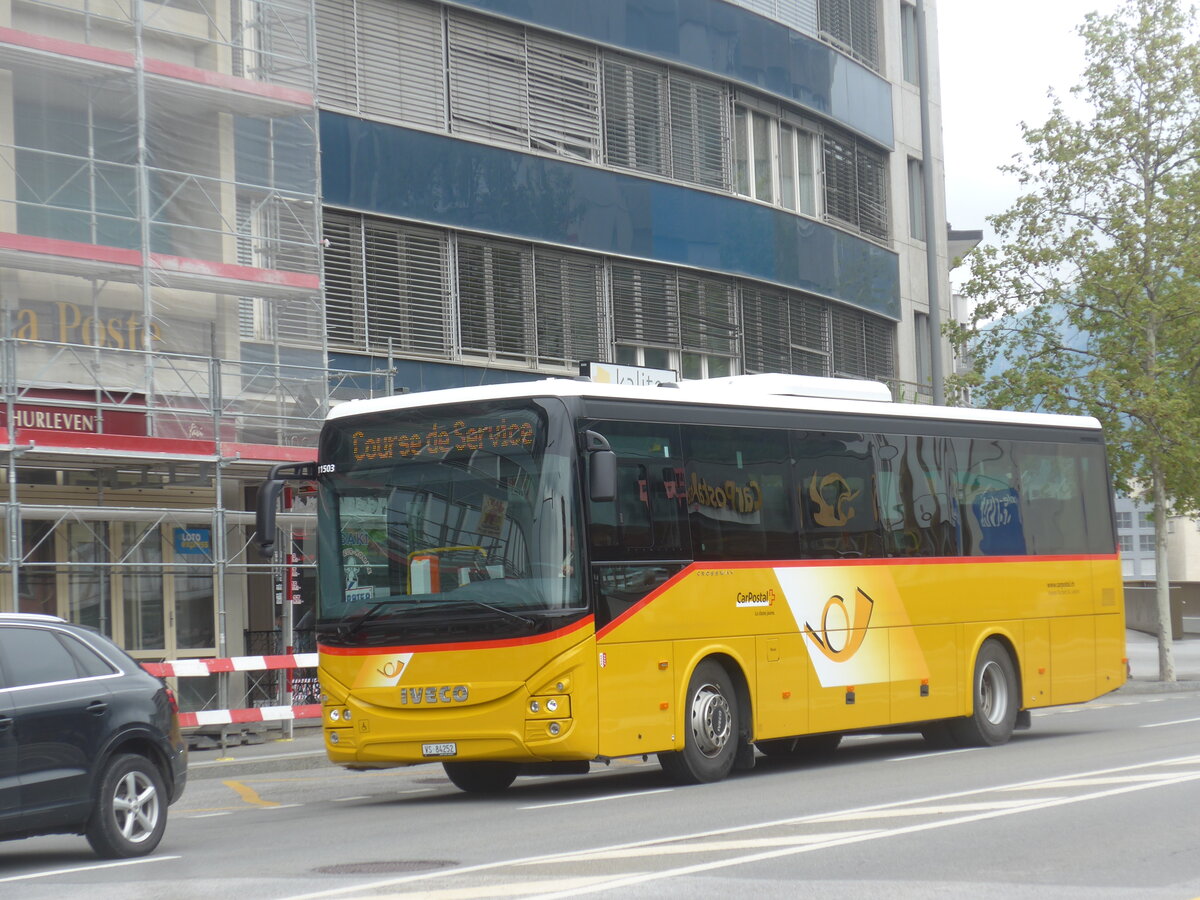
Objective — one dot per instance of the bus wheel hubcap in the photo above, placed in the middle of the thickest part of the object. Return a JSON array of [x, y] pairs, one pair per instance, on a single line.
[[711, 720], [993, 693]]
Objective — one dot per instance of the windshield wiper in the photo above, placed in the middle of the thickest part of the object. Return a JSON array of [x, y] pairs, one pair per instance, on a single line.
[[516, 617], [349, 630]]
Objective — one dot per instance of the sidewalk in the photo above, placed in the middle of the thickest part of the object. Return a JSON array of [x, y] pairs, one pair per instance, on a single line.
[[1142, 650], [306, 749]]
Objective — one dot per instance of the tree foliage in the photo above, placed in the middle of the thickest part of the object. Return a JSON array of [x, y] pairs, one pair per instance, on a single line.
[[1089, 300]]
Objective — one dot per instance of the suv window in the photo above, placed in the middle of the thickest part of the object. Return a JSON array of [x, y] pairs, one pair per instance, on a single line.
[[39, 656]]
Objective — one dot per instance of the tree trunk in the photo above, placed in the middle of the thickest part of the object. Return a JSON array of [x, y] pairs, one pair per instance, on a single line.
[[1162, 584]]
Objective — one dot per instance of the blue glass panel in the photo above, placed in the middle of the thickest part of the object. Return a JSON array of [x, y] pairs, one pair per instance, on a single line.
[[433, 178], [416, 375], [726, 40]]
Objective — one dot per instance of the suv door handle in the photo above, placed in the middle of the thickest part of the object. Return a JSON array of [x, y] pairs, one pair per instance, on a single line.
[[5, 721], [97, 707]]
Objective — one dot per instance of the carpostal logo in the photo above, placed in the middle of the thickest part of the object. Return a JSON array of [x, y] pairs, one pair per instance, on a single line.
[[755, 598]]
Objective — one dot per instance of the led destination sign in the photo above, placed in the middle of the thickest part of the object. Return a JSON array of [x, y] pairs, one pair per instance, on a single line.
[[435, 440]]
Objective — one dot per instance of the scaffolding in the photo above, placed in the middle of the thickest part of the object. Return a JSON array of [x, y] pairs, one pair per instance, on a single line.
[[164, 337]]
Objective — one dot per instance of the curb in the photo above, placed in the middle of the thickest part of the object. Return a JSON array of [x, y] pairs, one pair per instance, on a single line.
[[1153, 686]]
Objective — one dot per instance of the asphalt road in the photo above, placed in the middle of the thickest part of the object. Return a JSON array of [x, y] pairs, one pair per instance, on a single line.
[[1095, 801]]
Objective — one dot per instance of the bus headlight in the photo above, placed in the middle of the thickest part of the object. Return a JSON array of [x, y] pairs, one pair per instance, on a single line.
[[555, 728], [335, 715]]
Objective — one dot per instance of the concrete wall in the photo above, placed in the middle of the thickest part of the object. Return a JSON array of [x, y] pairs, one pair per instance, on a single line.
[[1141, 608]]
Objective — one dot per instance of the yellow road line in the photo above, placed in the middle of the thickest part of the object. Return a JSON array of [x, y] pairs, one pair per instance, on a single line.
[[248, 794]]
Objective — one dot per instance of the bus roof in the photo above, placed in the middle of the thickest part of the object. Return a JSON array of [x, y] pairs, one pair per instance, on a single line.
[[771, 392]]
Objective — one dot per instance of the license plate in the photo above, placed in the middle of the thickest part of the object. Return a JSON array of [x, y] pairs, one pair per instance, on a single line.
[[446, 749]]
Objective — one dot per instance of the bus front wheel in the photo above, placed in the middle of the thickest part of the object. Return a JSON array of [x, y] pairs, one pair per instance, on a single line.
[[481, 777], [713, 728], [995, 700]]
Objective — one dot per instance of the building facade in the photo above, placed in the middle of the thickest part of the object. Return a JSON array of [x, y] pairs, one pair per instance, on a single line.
[[216, 218]]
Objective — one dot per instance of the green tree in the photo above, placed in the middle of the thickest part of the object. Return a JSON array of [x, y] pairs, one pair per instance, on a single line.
[[1089, 300]]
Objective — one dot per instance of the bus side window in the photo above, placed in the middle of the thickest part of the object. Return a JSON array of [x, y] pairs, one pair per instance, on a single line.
[[736, 484], [1051, 498], [915, 507], [645, 521], [835, 487], [988, 490]]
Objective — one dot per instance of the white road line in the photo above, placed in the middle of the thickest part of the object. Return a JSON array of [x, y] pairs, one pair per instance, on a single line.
[[933, 754], [348, 799], [1176, 722], [374, 887], [597, 799], [93, 868], [791, 840]]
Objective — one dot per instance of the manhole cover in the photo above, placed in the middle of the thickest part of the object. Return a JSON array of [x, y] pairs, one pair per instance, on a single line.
[[387, 867]]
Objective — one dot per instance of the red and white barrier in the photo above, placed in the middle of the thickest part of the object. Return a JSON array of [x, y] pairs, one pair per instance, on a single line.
[[183, 668], [258, 714]]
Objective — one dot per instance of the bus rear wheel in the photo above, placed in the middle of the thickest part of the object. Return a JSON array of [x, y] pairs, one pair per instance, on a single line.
[[713, 728], [809, 746], [995, 700], [481, 777]]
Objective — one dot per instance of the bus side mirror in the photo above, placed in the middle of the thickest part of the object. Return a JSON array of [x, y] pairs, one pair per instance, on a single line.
[[268, 500], [602, 468]]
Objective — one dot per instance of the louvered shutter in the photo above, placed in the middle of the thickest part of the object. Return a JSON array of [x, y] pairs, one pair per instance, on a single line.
[[765, 330], [495, 285], [488, 91], [708, 315], [337, 55], [809, 335], [345, 307], [849, 344], [871, 170], [864, 31], [799, 14], [406, 288], [635, 115], [401, 69], [880, 338], [762, 7], [645, 306], [699, 132], [569, 290], [564, 97], [835, 21], [841, 178]]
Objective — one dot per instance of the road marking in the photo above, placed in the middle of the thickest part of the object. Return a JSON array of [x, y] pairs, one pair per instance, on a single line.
[[248, 794], [934, 753], [909, 811], [597, 799], [696, 847], [838, 840], [348, 799], [93, 868], [1176, 722]]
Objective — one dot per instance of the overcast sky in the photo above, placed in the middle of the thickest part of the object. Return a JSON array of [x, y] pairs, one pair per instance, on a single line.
[[998, 60]]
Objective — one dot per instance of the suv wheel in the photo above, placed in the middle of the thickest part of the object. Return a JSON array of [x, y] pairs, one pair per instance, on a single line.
[[131, 809]]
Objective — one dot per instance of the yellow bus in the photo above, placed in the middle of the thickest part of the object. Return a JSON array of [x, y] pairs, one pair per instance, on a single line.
[[533, 578]]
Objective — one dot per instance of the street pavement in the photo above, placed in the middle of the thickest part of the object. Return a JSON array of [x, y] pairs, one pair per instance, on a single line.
[[305, 749]]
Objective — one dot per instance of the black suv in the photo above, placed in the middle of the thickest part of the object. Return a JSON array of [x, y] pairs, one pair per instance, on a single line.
[[89, 741]]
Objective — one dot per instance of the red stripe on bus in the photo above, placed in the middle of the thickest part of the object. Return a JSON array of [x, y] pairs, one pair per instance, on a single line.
[[467, 645]]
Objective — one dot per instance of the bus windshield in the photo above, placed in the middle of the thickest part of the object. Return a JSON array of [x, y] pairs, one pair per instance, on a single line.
[[456, 523]]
